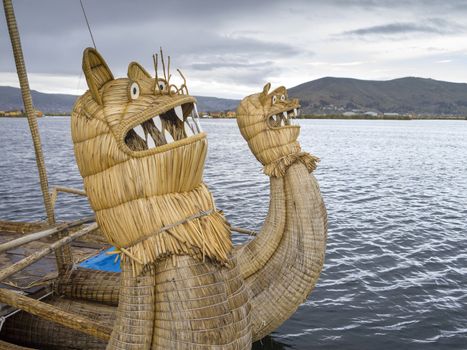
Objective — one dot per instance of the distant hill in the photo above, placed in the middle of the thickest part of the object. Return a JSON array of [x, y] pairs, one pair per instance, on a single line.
[[10, 98], [215, 104], [325, 95], [404, 95]]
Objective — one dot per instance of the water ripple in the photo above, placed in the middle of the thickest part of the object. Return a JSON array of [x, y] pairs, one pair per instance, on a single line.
[[396, 192]]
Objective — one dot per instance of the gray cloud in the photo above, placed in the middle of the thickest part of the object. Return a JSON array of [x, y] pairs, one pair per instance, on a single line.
[[234, 44], [231, 65], [195, 34], [249, 73], [405, 4], [245, 45], [430, 26]]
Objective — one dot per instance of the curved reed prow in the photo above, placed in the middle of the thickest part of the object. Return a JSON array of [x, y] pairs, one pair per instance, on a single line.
[[282, 264]]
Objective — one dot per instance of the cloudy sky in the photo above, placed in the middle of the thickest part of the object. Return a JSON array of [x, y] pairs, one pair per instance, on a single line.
[[231, 48]]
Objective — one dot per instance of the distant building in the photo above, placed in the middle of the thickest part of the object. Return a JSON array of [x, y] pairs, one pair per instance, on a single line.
[[231, 114], [371, 114], [391, 114], [17, 114], [349, 114], [215, 114], [14, 113]]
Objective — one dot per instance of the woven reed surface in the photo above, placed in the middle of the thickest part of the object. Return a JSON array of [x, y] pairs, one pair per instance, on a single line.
[[195, 305], [135, 314], [280, 266], [21, 227], [276, 147], [200, 306], [253, 256], [92, 285], [9, 346], [284, 282], [179, 286], [267, 144], [32, 331], [136, 193]]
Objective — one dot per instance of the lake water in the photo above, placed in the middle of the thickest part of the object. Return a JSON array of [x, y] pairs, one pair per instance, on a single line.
[[395, 275]]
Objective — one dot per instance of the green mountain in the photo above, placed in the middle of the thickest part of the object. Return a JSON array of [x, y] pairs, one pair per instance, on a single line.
[[10, 99], [404, 96]]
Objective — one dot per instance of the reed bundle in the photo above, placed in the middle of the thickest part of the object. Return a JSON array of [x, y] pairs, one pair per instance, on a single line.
[[91, 285], [26, 329], [9, 346], [278, 287], [194, 305]]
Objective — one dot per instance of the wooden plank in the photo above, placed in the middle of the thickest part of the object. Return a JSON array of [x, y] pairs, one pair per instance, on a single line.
[[10, 270], [42, 234], [39, 294], [44, 270], [54, 314]]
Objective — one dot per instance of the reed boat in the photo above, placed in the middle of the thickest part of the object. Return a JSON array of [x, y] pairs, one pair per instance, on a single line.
[[155, 267]]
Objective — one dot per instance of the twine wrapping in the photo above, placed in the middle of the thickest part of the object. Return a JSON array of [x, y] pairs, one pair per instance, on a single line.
[[279, 167]]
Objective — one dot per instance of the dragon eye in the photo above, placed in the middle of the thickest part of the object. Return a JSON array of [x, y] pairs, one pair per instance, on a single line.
[[274, 99], [134, 91], [161, 85], [283, 98]]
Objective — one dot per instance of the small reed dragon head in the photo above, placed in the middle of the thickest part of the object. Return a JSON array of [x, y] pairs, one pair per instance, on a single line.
[[266, 122]]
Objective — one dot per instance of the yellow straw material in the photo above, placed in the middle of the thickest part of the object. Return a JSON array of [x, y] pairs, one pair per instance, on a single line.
[[135, 191], [264, 120]]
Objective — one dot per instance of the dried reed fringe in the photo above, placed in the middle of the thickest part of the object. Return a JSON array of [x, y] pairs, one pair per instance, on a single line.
[[279, 167], [211, 240], [205, 236]]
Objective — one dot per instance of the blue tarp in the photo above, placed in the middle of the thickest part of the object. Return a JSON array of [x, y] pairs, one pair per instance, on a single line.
[[103, 262]]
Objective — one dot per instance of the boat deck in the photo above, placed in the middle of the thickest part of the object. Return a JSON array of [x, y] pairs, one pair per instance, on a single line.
[[36, 279]]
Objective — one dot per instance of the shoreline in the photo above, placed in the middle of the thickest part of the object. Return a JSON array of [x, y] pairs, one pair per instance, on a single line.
[[308, 116], [400, 117]]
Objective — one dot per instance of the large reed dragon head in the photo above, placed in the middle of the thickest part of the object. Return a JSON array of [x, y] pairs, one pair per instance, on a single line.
[[137, 142]]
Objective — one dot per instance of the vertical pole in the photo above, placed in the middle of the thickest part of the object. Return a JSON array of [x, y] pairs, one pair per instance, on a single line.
[[63, 256]]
